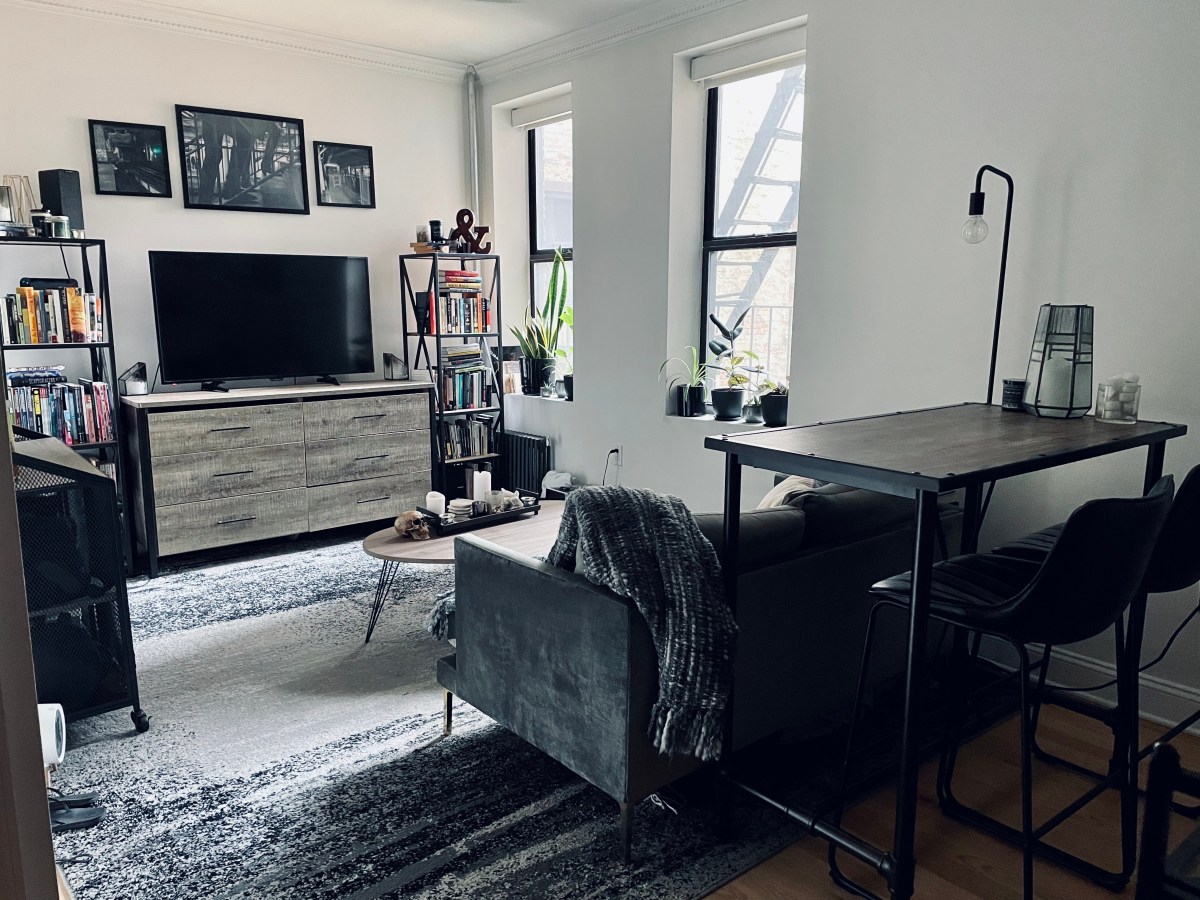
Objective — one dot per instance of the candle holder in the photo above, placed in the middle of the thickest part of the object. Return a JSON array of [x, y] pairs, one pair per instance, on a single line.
[[1058, 382]]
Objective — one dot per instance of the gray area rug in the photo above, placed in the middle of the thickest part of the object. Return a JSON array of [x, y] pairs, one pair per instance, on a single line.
[[286, 759]]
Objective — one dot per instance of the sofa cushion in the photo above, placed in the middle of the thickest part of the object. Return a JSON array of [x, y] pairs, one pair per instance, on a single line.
[[768, 536], [834, 513], [787, 489]]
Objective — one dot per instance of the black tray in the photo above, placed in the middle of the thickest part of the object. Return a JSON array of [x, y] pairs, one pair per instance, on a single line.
[[510, 515]]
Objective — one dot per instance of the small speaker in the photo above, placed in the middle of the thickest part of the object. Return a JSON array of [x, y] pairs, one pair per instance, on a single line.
[[61, 194]]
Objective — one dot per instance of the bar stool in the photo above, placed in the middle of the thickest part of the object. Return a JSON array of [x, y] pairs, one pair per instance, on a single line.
[[1075, 593], [1161, 875], [1175, 566]]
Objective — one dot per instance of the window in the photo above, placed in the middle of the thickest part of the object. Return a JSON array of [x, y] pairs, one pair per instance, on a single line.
[[550, 205], [752, 191]]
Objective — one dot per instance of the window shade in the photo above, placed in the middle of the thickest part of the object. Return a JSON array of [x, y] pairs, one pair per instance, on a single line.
[[775, 51], [543, 112]]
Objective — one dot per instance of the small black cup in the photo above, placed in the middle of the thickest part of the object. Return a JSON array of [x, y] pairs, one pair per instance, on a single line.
[[1014, 393]]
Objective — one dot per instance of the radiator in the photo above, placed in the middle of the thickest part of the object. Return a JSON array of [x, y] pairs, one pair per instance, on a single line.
[[524, 460]]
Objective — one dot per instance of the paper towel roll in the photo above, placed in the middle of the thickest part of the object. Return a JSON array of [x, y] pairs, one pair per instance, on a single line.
[[53, 727]]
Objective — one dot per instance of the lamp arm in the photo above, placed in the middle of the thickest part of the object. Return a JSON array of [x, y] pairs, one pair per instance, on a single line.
[[1003, 269]]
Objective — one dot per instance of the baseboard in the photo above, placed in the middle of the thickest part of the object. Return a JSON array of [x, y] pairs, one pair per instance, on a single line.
[[1162, 701]]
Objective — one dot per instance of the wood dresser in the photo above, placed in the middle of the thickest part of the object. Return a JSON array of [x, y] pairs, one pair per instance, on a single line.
[[212, 469]]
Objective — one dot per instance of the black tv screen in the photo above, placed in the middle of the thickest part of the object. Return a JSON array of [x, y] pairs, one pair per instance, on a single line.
[[222, 316]]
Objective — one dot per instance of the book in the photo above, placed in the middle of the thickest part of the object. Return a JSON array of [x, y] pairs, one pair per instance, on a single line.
[[77, 316]]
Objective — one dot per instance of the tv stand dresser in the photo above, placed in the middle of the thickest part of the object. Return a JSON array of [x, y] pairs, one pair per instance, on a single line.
[[217, 469]]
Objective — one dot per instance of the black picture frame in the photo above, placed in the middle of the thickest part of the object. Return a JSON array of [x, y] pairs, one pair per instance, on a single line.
[[128, 159], [345, 174], [259, 164]]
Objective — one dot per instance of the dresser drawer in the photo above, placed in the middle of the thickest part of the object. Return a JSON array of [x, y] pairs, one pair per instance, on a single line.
[[371, 456], [226, 428], [215, 523], [334, 505], [227, 473], [328, 419]]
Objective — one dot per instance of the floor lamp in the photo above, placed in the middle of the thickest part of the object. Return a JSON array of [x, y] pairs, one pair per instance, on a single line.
[[974, 231]]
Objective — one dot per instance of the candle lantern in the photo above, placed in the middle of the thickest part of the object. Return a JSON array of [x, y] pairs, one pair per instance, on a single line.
[[1058, 383]]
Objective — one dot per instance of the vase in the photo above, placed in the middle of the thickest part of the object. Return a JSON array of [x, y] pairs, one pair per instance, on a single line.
[[774, 410], [727, 403], [752, 413], [548, 367], [569, 384]]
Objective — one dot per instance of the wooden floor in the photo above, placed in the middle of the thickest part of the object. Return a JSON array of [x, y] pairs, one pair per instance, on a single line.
[[956, 861]]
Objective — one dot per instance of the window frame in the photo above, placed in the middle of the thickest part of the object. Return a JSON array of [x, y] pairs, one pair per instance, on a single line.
[[537, 254], [710, 245]]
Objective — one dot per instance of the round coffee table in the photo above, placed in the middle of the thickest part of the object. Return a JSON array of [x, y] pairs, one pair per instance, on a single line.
[[531, 535]]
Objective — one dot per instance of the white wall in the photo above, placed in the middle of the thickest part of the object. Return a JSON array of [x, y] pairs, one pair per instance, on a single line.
[[1092, 105], [136, 74]]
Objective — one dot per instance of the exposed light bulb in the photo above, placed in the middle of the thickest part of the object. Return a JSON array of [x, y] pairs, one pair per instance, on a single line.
[[974, 230]]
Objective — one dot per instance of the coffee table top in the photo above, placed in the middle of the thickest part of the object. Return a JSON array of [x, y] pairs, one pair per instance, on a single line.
[[530, 535]]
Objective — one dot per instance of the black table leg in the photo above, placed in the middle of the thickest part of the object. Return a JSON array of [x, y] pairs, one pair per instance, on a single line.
[[387, 576], [901, 878], [731, 536]]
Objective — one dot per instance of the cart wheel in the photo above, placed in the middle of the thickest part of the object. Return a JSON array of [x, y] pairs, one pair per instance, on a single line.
[[141, 721]]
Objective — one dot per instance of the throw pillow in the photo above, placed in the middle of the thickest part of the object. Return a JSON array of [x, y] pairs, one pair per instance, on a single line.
[[787, 491]]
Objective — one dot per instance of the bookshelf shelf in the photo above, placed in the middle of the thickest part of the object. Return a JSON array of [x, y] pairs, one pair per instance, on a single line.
[[431, 312], [467, 412], [455, 460], [84, 345], [101, 358]]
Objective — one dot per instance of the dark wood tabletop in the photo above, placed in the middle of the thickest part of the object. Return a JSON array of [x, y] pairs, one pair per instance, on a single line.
[[938, 449]]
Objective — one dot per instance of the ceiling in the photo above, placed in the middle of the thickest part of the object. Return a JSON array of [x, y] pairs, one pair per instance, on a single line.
[[459, 31]]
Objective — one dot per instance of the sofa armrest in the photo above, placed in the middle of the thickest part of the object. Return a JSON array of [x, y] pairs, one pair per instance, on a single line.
[[549, 655]]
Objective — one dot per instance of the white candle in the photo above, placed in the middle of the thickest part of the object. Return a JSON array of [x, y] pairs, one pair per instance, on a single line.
[[483, 484], [435, 502]]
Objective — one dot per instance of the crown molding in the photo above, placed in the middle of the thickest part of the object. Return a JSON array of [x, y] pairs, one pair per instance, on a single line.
[[627, 26], [239, 31]]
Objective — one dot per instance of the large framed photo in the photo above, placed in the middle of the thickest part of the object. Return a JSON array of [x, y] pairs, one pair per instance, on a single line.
[[345, 175], [130, 160], [244, 161]]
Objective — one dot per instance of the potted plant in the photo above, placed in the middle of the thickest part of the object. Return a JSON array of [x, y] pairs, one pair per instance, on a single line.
[[729, 400], [540, 333], [567, 359], [688, 383], [775, 404]]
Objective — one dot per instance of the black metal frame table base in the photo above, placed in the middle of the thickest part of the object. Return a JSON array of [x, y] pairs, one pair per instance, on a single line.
[[387, 577]]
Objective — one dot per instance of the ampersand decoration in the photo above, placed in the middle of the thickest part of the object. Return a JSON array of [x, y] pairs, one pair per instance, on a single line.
[[469, 232]]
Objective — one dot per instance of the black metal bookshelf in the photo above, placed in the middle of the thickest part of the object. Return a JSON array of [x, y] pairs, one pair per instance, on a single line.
[[102, 354], [430, 341]]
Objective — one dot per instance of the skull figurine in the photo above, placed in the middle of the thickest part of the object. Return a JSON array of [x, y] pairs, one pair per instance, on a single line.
[[412, 524]]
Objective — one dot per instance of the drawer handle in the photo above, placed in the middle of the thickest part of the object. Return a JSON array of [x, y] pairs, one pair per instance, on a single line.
[[235, 521], [230, 474], [365, 458], [372, 416], [374, 499], [231, 428]]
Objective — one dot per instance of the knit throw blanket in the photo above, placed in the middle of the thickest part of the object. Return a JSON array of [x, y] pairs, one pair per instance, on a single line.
[[647, 547]]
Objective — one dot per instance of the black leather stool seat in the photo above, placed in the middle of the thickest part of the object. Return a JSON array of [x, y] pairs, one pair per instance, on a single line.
[[967, 590], [1035, 546]]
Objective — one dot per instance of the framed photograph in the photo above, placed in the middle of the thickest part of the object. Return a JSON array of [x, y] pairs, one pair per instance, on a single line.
[[244, 161], [345, 175], [130, 160]]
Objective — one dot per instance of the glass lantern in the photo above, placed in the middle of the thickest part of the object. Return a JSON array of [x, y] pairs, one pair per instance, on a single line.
[[1058, 382]]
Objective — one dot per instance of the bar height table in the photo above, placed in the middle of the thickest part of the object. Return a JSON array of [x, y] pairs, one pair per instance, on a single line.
[[919, 454]]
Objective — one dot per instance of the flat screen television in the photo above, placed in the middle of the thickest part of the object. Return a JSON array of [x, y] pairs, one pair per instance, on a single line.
[[225, 316]]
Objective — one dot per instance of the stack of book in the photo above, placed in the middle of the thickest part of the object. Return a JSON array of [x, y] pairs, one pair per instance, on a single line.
[[465, 378], [52, 316], [459, 281], [41, 399], [465, 438]]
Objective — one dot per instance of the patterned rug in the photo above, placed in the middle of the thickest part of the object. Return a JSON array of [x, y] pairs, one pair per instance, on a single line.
[[286, 759]]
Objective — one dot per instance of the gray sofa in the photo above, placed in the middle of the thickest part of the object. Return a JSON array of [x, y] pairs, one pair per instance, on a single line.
[[569, 666]]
